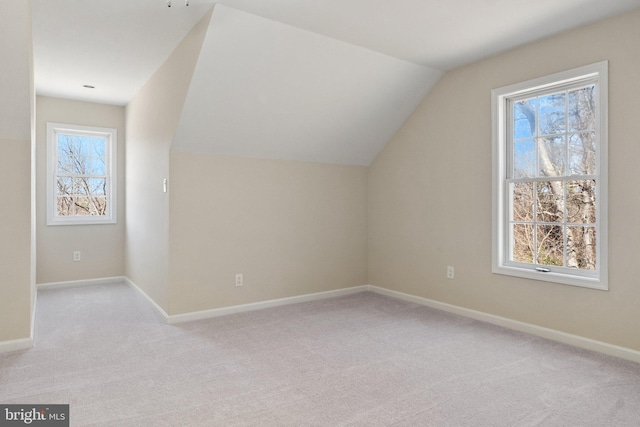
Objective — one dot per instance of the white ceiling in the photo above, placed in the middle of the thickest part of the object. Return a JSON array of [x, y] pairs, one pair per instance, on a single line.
[[442, 34], [361, 65], [116, 45]]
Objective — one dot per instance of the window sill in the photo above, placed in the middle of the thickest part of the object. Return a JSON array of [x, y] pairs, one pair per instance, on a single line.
[[553, 277], [81, 222]]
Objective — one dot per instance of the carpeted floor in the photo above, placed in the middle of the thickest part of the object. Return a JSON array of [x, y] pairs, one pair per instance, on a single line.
[[361, 360]]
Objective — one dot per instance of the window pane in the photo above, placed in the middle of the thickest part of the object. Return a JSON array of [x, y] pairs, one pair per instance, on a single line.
[[550, 201], [97, 186], [98, 206], [64, 206], [64, 186], [81, 186], [551, 155], [524, 159], [82, 146], [582, 114], [551, 113], [524, 119], [522, 243], [522, 201], [65, 164], [82, 205], [79, 166], [581, 202], [98, 146], [81, 149], [550, 245], [582, 153], [581, 248], [98, 156], [97, 166], [65, 145]]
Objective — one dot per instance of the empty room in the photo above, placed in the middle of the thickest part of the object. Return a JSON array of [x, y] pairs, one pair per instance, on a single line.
[[296, 213]]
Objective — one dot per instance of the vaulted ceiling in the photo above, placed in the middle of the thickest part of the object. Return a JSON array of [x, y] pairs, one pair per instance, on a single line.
[[271, 90], [327, 81]]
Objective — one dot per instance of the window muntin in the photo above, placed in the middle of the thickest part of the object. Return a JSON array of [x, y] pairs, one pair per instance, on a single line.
[[81, 175], [549, 203]]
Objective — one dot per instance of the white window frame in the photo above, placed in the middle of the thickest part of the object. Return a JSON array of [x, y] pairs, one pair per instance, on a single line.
[[111, 138], [500, 200]]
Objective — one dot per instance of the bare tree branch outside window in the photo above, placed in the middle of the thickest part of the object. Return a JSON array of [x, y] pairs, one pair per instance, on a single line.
[[81, 176], [554, 216]]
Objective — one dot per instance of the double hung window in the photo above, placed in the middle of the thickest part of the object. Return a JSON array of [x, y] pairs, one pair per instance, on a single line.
[[550, 142], [81, 174]]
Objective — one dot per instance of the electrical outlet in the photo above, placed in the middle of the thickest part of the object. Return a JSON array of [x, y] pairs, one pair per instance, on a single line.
[[76, 256], [450, 272], [239, 279]]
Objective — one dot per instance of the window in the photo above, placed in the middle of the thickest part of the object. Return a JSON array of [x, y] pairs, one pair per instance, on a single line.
[[549, 178], [81, 175]]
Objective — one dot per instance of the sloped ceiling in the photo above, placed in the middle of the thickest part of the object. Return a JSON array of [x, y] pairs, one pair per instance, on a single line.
[[116, 45], [442, 34], [318, 80], [270, 90]]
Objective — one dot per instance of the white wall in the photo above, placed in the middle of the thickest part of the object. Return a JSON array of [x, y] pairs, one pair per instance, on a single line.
[[151, 118], [101, 245], [16, 97], [430, 192]]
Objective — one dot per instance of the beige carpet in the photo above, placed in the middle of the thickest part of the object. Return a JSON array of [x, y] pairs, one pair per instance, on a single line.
[[364, 360]]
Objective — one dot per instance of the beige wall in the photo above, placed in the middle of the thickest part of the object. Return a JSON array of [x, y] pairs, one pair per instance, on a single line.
[[101, 245], [15, 239], [152, 117], [430, 192], [16, 87], [290, 228]]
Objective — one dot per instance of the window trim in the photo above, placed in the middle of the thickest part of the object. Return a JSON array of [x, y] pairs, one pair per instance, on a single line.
[[500, 198], [111, 136]]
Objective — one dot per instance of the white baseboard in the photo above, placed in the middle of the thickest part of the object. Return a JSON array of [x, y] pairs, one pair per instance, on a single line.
[[100, 281], [216, 312], [32, 334], [223, 311], [22, 343], [147, 297], [15, 345], [552, 334]]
